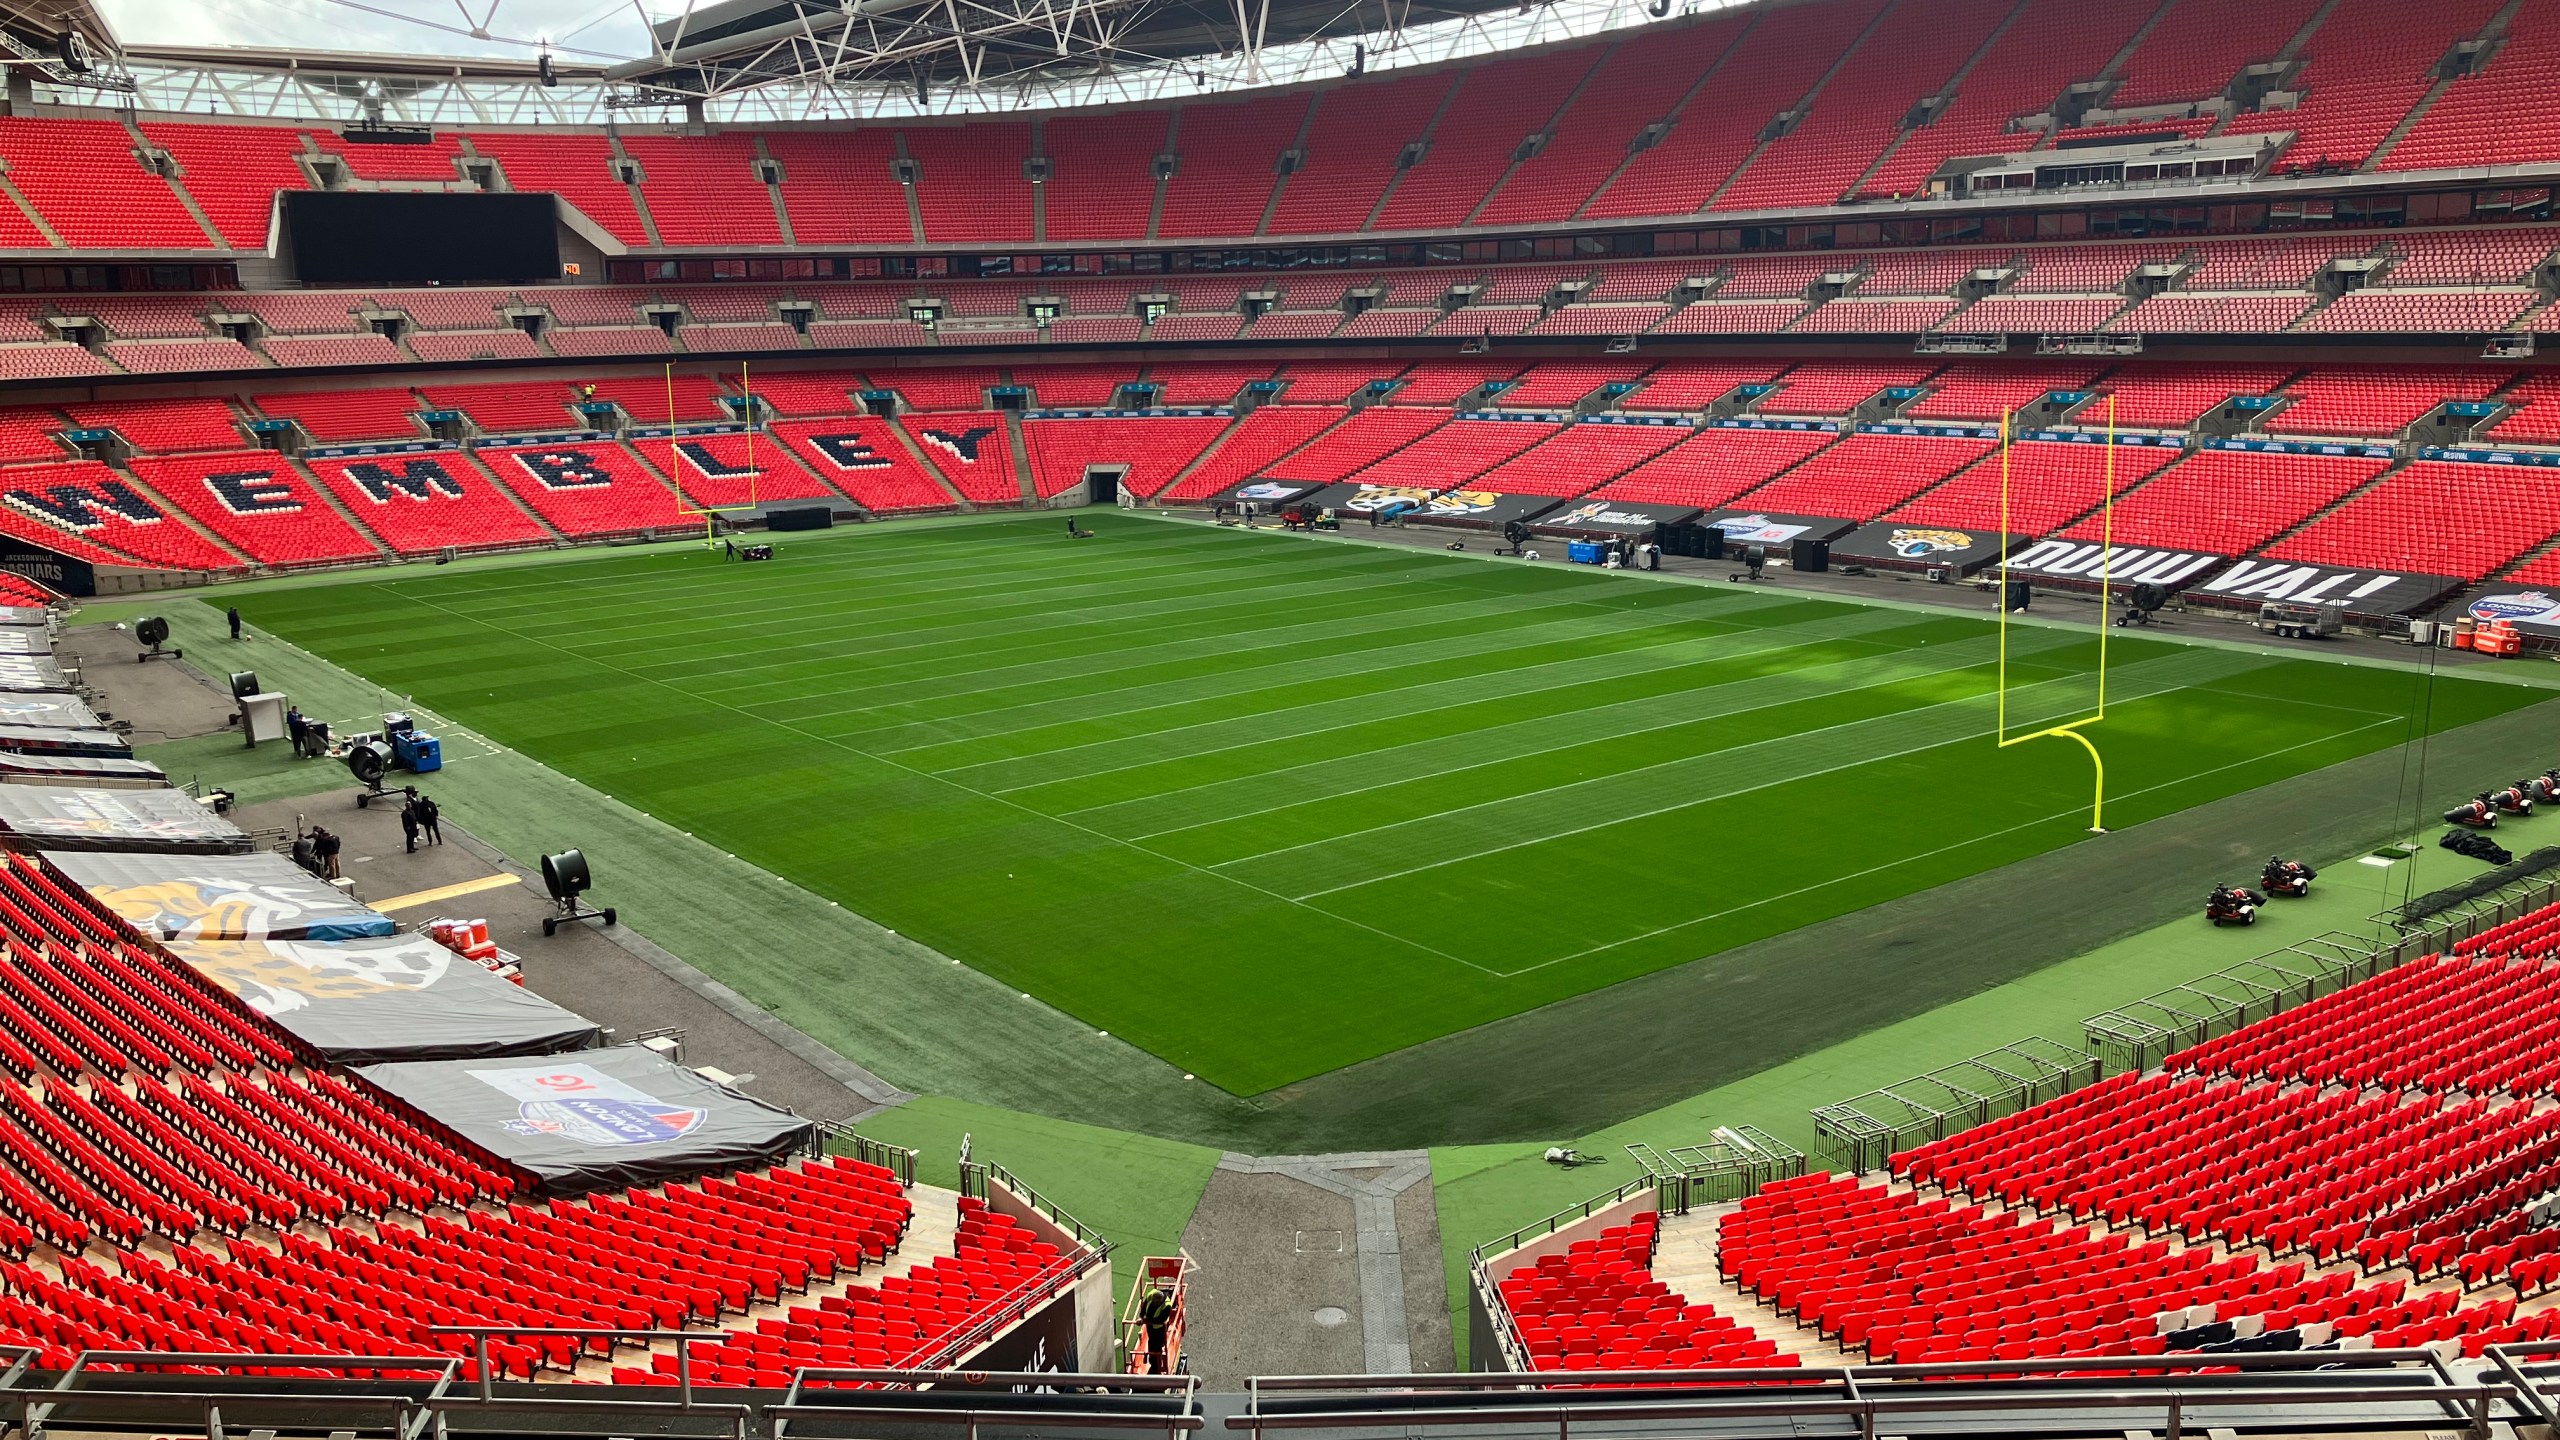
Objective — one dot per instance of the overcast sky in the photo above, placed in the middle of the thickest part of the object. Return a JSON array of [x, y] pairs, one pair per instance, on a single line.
[[612, 27]]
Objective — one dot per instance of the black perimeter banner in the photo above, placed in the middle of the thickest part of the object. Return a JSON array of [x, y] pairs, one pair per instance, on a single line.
[[67, 817], [599, 1119], [64, 740], [2081, 562], [397, 997], [1918, 547], [218, 897], [2363, 592], [1269, 492]]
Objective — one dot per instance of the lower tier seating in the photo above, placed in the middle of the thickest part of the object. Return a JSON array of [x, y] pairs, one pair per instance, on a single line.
[[587, 489], [864, 456], [260, 503]]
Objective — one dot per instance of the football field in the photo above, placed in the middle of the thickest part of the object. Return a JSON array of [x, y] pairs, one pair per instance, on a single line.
[[1267, 806]]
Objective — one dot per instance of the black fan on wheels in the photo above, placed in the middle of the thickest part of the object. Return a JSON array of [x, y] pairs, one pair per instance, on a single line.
[[1515, 533]]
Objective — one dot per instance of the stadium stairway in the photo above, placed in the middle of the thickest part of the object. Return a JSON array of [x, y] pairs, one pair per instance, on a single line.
[[339, 504], [1684, 1258]]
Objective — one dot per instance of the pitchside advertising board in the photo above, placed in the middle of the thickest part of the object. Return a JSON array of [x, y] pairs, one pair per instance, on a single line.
[[2535, 612], [1922, 547], [1758, 527], [2219, 580], [1269, 492], [1610, 518], [1416, 502], [47, 567]]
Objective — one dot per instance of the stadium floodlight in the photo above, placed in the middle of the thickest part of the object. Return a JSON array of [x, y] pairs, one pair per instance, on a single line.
[[2070, 729]]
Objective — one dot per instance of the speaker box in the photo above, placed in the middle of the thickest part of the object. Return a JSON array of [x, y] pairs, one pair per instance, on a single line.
[[1710, 542], [2015, 595], [809, 517], [1811, 556]]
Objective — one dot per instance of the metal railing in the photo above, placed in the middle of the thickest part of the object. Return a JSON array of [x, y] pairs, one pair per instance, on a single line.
[[2137, 1035], [1734, 1164], [976, 1174], [99, 1390], [837, 1138], [2297, 1393], [1040, 1401], [2440, 930], [1857, 1134], [683, 1340]]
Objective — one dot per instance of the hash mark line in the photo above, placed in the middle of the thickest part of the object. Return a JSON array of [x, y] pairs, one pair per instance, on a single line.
[[1644, 814], [966, 790], [1943, 849]]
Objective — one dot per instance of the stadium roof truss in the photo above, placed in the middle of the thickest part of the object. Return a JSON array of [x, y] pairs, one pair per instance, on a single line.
[[795, 60]]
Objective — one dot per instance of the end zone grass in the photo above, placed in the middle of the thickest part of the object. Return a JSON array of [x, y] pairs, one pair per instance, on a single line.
[[1266, 808]]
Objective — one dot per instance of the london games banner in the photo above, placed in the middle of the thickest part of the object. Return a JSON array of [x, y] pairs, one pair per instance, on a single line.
[[1611, 518], [1922, 547], [596, 1119], [2363, 592], [2535, 612], [393, 997]]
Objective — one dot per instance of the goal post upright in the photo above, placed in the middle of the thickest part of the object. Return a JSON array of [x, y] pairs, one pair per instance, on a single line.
[[2069, 729], [675, 460]]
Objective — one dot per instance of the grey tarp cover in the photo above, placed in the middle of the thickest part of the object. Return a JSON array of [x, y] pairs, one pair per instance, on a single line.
[[598, 1119], [70, 816], [399, 997], [32, 673], [19, 640], [30, 616], [218, 897], [42, 767], [61, 712], [88, 739]]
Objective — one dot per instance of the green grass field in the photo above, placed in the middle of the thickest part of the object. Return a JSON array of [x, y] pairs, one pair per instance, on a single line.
[[1266, 807]]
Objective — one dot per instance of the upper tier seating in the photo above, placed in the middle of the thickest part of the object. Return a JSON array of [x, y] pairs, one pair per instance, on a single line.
[[970, 184], [1230, 158], [1642, 80], [1985, 389], [2196, 47], [864, 456], [2499, 116], [578, 167], [2435, 518], [234, 173], [1559, 384], [2048, 45], [1204, 382], [1351, 146], [839, 186], [703, 190], [1910, 55], [259, 503], [85, 178], [1837, 387], [1100, 181], [421, 503], [587, 489], [1499, 102], [2228, 502], [1696, 384], [1782, 54], [950, 388], [2370, 61], [432, 161]]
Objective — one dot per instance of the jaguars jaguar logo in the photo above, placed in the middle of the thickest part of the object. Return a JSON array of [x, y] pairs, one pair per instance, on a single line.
[[279, 977], [1920, 544], [208, 909]]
